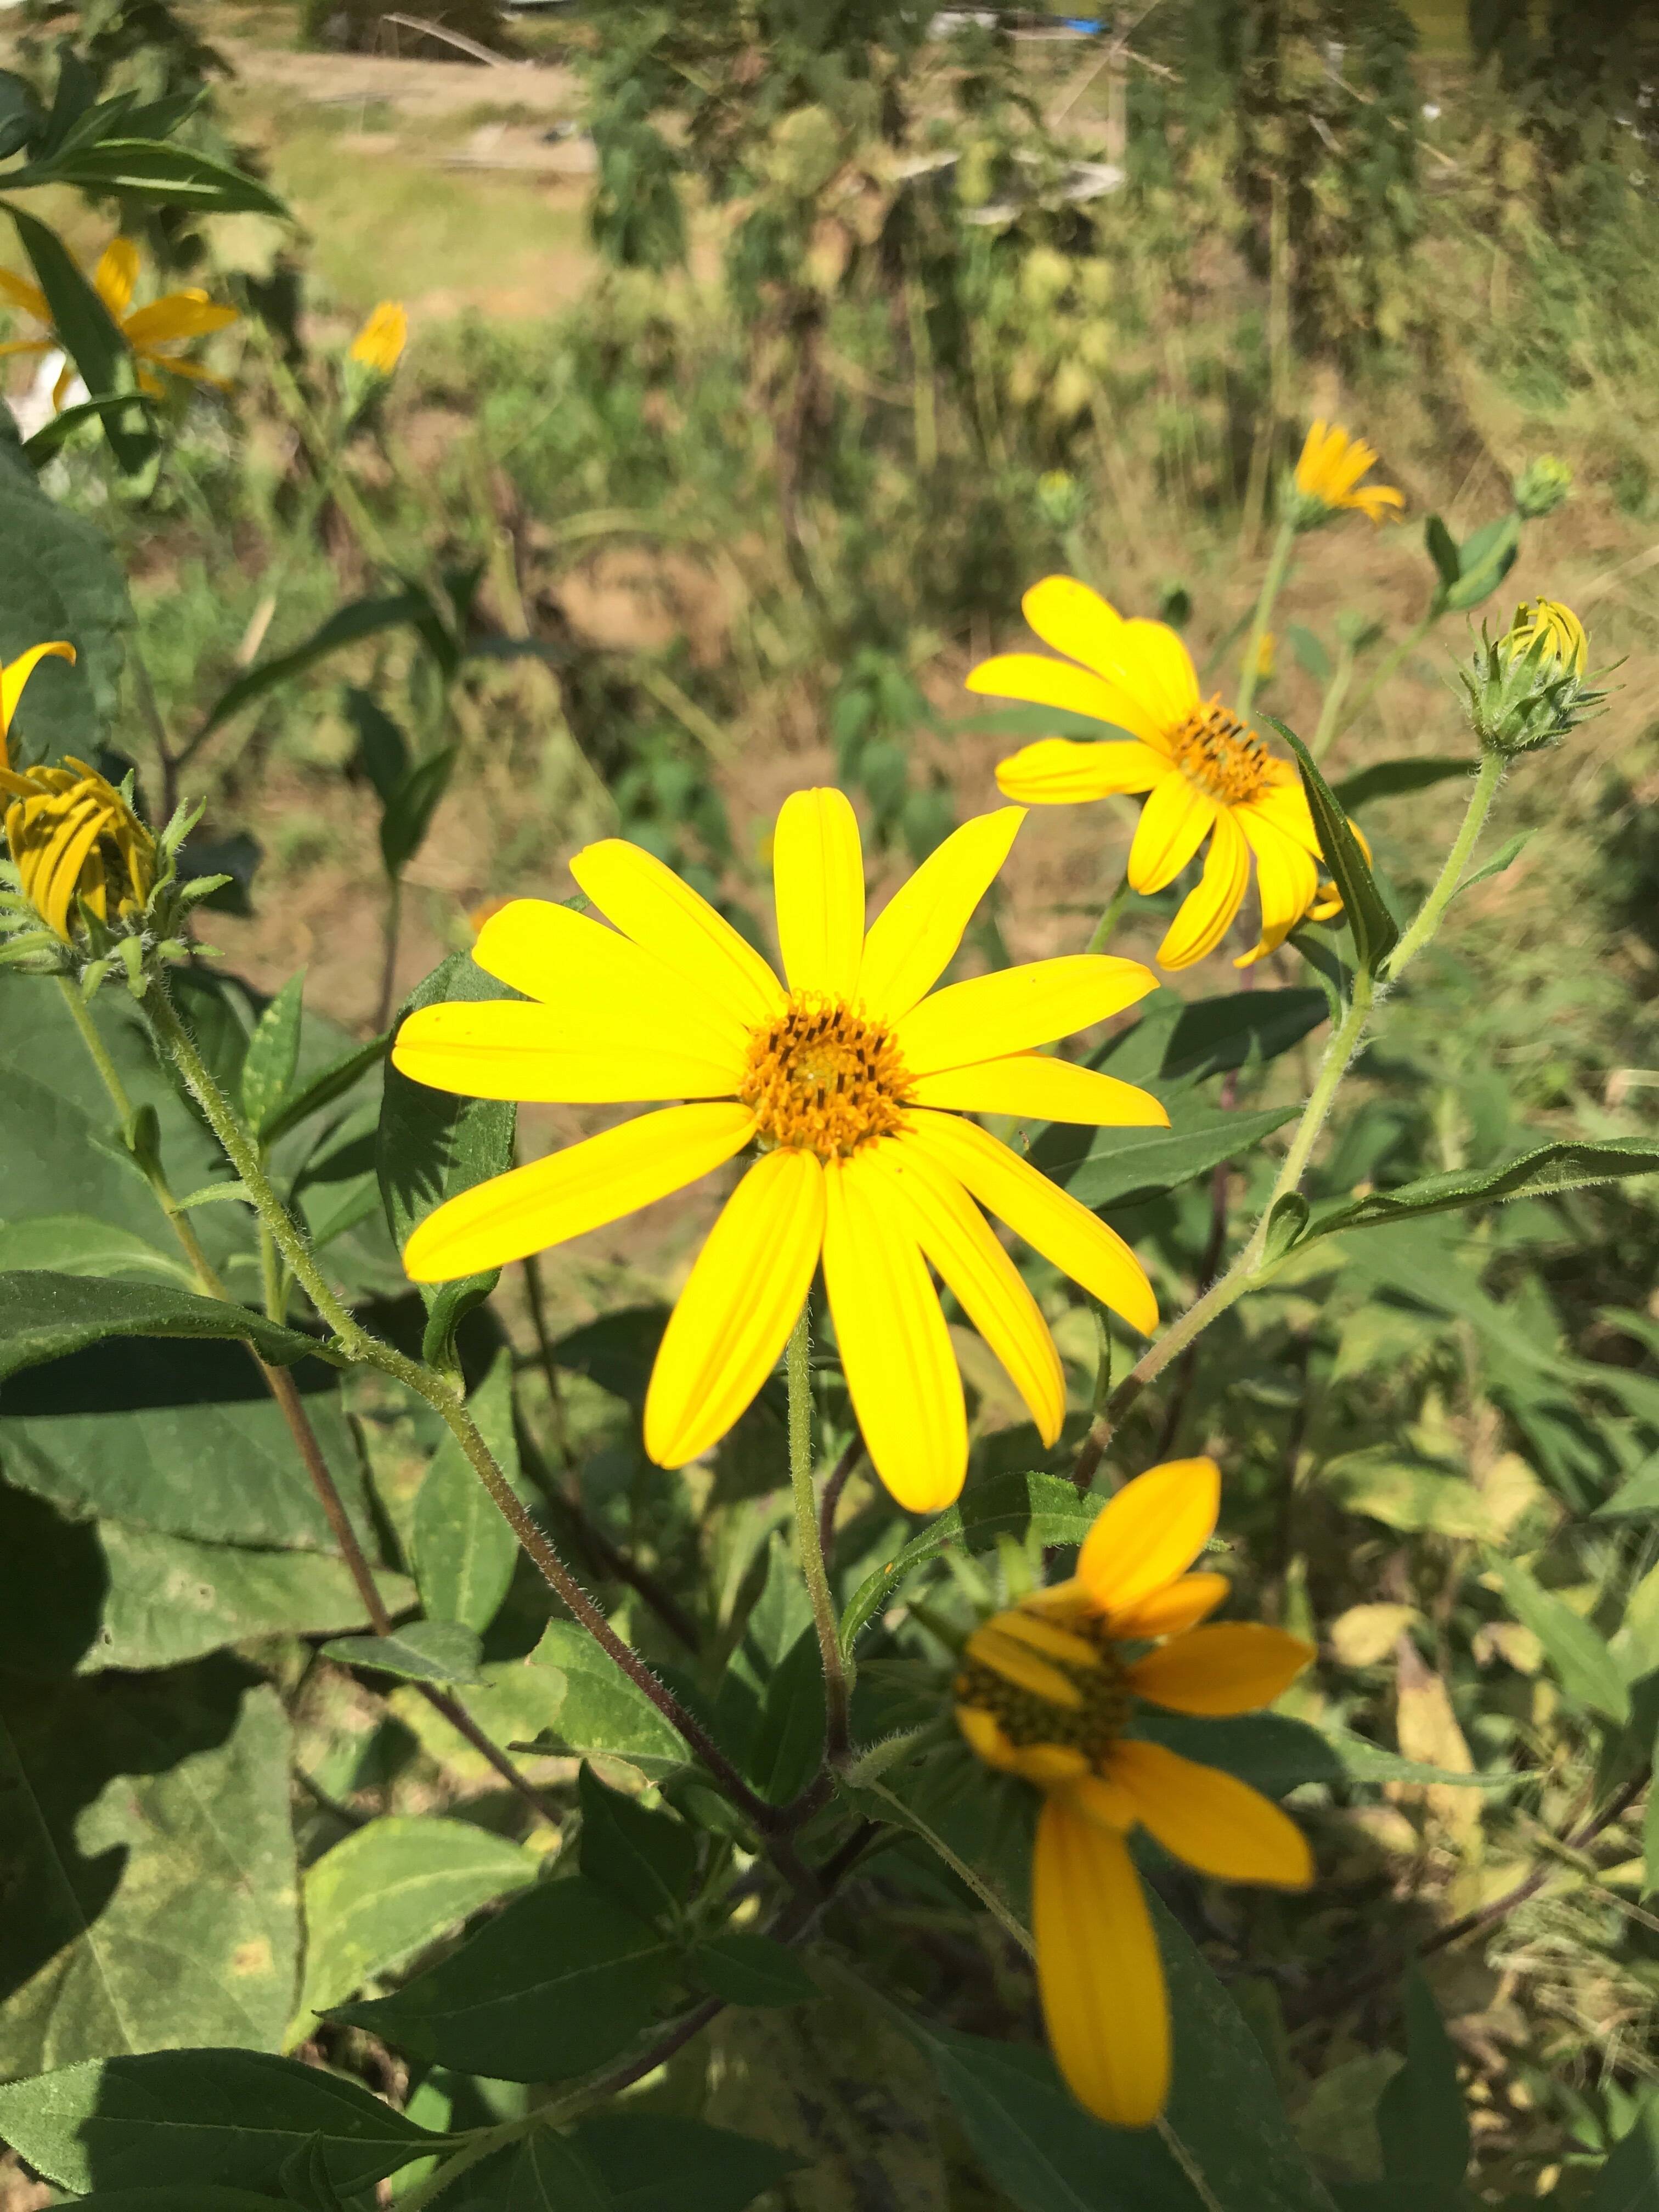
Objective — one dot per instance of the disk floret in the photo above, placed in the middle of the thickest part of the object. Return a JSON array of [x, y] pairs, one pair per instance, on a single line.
[[1221, 754], [823, 1078]]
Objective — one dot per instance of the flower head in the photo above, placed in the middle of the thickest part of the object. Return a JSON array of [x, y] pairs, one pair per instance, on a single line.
[[1206, 774], [1553, 630], [850, 1075], [1049, 1690], [378, 346], [147, 330], [1527, 688], [1542, 486], [1327, 479]]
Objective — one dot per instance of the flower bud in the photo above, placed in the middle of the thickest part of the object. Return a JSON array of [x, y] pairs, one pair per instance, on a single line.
[[1060, 499], [1541, 487], [1527, 688]]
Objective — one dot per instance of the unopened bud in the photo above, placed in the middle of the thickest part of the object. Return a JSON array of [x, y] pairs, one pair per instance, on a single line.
[[1542, 486], [1527, 688]]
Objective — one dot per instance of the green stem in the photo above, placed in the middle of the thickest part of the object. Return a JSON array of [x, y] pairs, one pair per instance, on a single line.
[[837, 1688], [1386, 667], [1432, 910], [1331, 706], [1109, 913], [1278, 562]]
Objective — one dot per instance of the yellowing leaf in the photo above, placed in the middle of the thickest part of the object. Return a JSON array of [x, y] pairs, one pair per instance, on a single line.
[[1366, 1634]]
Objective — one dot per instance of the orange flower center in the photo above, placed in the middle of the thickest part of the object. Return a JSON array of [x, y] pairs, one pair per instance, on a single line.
[[824, 1079], [1046, 1684], [1221, 755]]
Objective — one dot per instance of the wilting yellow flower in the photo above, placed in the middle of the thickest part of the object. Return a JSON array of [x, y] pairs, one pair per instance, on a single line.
[[1565, 646], [1048, 1691], [178, 315], [380, 344], [851, 1077], [72, 836], [1328, 478], [1205, 774]]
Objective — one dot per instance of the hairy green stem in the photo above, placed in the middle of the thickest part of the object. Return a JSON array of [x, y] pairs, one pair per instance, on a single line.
[[1278, 562], [837, 1687], [1331, 705], [1108, 922], [1430, 914]]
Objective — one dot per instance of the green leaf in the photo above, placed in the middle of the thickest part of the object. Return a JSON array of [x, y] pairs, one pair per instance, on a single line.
[[552, 2173], [58, 578], [651, 2162], [1405, 1492], [747, 1969], [88, 335], [1369, 921], [647, 1860], [409, 813], [305, 2179], [561, 1982], [321, 1090], [22, 115], [1043, 1507], [1276, 1754], [1309, 651], [1506, 857], [349, 626], [163, 175], [433, 1145], [44, 1316], [1484, 559], [1629, 2182], [1579, 1656], [1420, 2118], [1563, 1166], [419, 1651], [599, 1710], [383, 754], [1238, 1029], [203, 2198], [188, 2117], [389, 1890], [272, 1057], [1128, 1167], [1396, 779], [463, 1552], [54, 435], [150, 1882], [1442, 551], [79, 1244]]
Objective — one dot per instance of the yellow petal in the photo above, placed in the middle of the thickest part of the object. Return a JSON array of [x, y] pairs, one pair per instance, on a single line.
[[957, 1237], [649, 903], [1045, 1763], [1150, 1533], [1285, 804], [817, 884], [1181, 1604], [61, 389], [1145, 661], [21, 293], [1062, 771], [180, 315], [116, 274], [552, 953], [60, 871], [913, 938], [1049, 1218], [1172, 825], [556, 1055], [742, 1298], [25, 345], [1044, 682], [1209, 911], [1040, 1089], [570, 1192], [1286, 877], [991, 1016], [1098, 1969], [895, 1348], [1213, 1821], [16, 673], [1229, 1667]]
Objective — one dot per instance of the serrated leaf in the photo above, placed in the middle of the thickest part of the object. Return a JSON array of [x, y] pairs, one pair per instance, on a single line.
[[561, 1982], [1369, 924], [748, 1969], [463, 1552], [419, 1651], [599, 1709], [273, 1054], [1563, 1166], [387, 1891], [1578, 1654], [647, 1860], [46, 1316], [1396, 779]]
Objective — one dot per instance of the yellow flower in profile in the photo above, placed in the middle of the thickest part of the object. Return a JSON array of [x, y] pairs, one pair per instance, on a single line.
[[164, 322], [1048, 1691], [852, 1076], [380, 344], [1548, 624], [1328, 478], [72, 836], [1205, 774]]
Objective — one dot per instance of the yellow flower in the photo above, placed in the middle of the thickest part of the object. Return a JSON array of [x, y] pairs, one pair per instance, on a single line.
[[189, 314], [1565, 648], [851, 1077], [1048, 1691], [1265, 649], [1205, 773], [1328, 478], [380, 344], [72, 836]]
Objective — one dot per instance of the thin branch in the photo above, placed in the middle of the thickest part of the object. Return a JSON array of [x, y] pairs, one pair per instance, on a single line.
[[832, 1489]]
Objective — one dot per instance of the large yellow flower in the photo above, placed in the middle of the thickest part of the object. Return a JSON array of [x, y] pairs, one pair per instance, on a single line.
[[72, 836], [851, 1077], [1328, 478], [164, 322], [1048, 1691], [1205, 774]]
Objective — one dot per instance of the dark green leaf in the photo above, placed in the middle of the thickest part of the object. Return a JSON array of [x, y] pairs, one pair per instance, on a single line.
[[74, 95], [552, 2173], [1442, 551], [1370, 923], [1579, 1656], [647, 1860], [184, 2117], [150, 1882], [463, 1552], [1630, 2181], [1420, 2119], [1396, 779], [653, 2163], [166, 176], [322, 1089], [387, 1891], [273, 1054], [382, 754], [1276, 1753], [747, 1969], [1043, 1507], [409, 813], [562, 1981], [52, 437], [44, 1316], [1240, 1029], [91, 338], [617, 1351], [362, 618], [599, 1710], [204, 2198], [1562, 1166], [22, 115], [433, 1145], [787, 1748], [1122, 1168], [306, 2181], [1484, 559], [419, 1651]]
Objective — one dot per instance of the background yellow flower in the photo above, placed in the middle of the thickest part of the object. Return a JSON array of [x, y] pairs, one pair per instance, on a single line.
[[380, 344], [1327, 474], [176, 316]]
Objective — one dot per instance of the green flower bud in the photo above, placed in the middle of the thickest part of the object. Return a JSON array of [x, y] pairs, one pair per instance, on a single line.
[[1542, 486], [1527, 688]]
